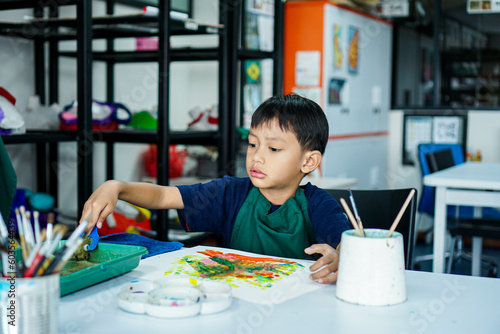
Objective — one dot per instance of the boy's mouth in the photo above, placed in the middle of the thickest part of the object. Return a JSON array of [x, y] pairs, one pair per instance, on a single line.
[[254, 172]]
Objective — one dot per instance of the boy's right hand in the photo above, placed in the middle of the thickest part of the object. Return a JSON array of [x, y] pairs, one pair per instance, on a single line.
[[100, 204]]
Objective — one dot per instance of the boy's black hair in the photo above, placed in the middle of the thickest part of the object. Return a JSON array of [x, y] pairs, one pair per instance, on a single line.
[[297, 114]]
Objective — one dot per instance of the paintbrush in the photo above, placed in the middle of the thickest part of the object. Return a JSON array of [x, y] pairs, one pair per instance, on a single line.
[[4, 234], [32, 256], [6, 264], [38, 259], [24, 248], [69, 243], [351, 217], [59, 232], [28, 232], [356, 214], [50, 225], [400, 213], [66, 256], [37, 227], [3, 246]]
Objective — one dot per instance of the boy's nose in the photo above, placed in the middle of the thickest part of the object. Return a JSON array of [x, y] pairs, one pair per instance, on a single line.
[[258, 157]]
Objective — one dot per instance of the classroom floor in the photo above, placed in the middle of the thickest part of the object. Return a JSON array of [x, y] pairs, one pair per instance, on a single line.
[[460, 266]]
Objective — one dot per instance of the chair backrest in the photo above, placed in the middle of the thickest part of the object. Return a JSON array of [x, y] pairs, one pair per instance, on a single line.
[[379, 208], [440, 153], [439, 160], [425, 148]]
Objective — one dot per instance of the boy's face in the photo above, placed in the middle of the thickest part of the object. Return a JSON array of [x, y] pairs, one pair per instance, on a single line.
[[274, 158]]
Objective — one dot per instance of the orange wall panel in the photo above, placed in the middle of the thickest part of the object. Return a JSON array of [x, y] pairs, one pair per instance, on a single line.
[[303, 32]]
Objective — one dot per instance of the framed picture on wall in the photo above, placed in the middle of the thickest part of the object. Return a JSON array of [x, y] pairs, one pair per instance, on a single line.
[[431, 126], [353, 50], [338, 47]]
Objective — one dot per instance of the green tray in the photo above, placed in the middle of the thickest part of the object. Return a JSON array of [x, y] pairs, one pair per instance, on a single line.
[[106, 261]]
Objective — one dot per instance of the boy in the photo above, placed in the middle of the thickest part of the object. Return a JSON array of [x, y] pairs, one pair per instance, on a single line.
[[266, 213]]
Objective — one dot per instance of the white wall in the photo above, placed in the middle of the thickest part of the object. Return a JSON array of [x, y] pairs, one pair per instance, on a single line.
[[192, 84], [483, 133]]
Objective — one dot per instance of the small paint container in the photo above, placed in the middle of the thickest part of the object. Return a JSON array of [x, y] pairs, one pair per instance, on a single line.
[[134, 296], [174, 302], [216, 297], [175, 297], [372, 268]]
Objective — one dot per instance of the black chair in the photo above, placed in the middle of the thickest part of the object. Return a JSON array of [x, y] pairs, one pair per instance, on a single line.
[[379, 208], [439, 160]]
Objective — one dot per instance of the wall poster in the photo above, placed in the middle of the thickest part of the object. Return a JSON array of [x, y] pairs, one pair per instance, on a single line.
[[353, 61], [338, 54]]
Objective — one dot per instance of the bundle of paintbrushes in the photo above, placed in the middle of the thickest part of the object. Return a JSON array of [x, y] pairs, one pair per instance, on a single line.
[[40, 249]]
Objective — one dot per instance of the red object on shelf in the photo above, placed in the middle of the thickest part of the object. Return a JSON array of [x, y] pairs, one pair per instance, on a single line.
[[124, 224], [176, 158]]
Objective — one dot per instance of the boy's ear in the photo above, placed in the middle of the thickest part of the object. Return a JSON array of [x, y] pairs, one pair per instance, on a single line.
[[312, 161]]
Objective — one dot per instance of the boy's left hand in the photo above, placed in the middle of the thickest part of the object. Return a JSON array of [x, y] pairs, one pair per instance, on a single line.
[[329, 261]]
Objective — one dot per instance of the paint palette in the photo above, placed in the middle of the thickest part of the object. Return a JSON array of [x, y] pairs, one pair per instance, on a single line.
[[174, 297]]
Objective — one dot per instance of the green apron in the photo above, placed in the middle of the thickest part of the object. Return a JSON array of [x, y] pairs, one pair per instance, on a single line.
[[286, 232], [8, 183]]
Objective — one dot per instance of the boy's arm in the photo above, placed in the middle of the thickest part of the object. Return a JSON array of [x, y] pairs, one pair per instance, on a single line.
[[102, 202]]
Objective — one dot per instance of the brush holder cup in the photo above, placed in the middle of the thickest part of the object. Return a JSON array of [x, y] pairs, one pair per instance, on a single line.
[[372, 268], [29, 305]]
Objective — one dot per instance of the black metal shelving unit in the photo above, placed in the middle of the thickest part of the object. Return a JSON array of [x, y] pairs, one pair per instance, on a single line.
[[236, 28], [50, 29]]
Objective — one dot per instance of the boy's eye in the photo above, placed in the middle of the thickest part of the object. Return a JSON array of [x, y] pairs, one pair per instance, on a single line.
[[274, 149], [252, 145]]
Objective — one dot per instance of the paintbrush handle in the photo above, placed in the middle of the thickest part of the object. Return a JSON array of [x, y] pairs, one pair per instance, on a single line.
[[400, 213], [361, 228], [351, 217]]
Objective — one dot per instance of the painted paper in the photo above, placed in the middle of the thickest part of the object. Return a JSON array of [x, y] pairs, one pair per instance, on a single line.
[[337, 46], [446, 130], [307, 68], [353, 60], [254, 278], [334, 90]]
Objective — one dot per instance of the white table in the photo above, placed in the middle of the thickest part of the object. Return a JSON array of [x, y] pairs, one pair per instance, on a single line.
[[472, 183], [437, 303]]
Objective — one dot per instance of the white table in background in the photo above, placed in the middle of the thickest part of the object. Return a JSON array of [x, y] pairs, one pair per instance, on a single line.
[[472, 183], [437, 303]]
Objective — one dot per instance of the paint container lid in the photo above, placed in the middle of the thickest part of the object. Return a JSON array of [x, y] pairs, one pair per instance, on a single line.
[[175, 297], [174, 302], [216, 297], [134, 296], [134, 286]]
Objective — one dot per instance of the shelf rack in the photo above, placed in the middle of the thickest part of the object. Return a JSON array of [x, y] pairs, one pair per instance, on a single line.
[[85, 28]]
